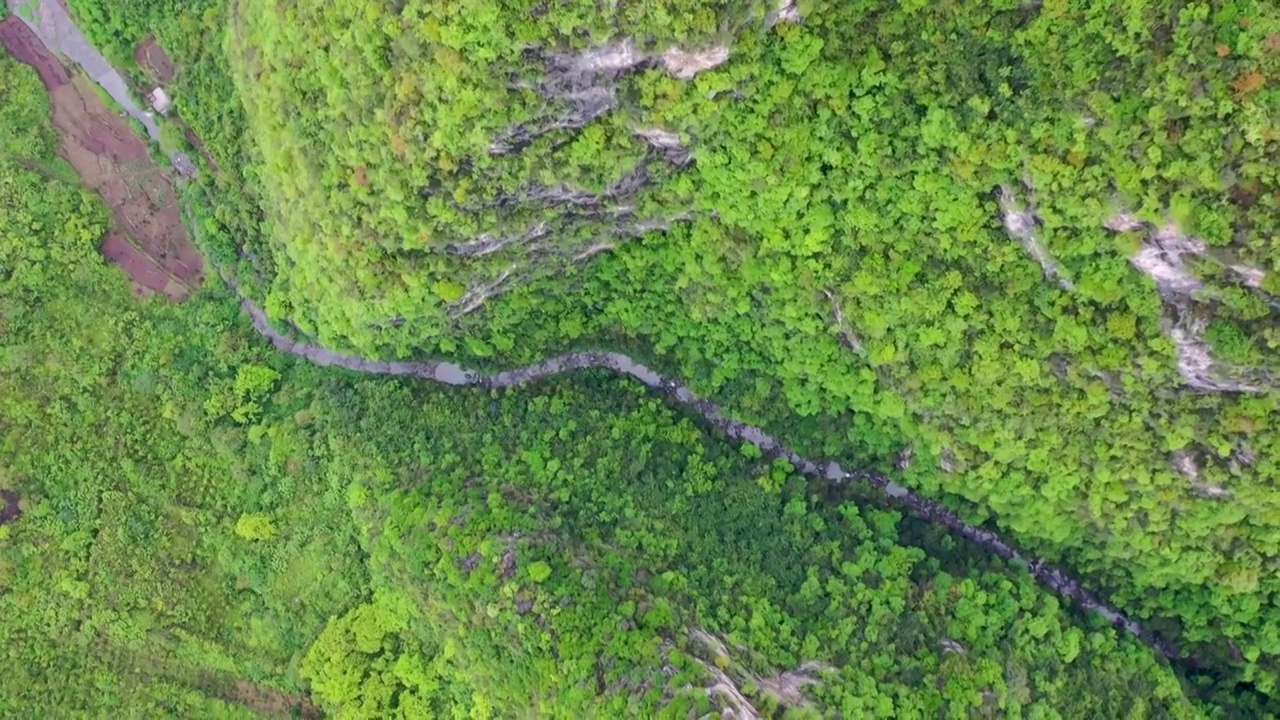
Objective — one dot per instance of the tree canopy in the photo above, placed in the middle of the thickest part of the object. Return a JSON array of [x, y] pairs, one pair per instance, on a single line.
[[1024, 254]]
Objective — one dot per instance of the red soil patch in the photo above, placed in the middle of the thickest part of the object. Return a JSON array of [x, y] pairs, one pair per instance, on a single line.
[[149, 241], [152, 58], [24, 46], [146, 275]]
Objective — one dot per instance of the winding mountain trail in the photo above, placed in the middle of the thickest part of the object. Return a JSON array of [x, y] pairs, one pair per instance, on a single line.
[[932, 511]]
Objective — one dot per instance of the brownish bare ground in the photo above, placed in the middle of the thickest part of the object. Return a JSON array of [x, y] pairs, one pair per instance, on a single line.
[[153, 59], [146, 275], [156, 63], [10, 506], [149, 241]]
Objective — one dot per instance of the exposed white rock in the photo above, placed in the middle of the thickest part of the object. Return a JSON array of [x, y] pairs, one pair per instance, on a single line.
[[667, 142], [905, 457], [1020, 224], [685, 64], [1250, 276], [786, 688], [659, 138], [622, 56], [487, 244], [1212, 491], [592, 251], [1245, 455], [478, 295], [1185, 463], [1124, 222], [1201, 370], [1163, 257], [947, 461], [586, 82], [786, 12], [847, 336], [1170, 275], [613, 57], [1242, 458]]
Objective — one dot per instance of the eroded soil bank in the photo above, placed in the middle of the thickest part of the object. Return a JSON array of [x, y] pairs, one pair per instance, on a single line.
[[148, 239]]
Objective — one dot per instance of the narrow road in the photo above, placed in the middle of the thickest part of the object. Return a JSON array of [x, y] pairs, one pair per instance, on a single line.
[[932, 511]]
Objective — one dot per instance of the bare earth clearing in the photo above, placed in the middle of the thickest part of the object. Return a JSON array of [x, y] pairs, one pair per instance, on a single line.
[[148, 240], [10, 507], [152, 58], [158, 66]]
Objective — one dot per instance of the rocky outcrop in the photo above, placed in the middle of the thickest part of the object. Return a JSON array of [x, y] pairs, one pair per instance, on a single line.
[[786, 12], [786, 688], [1165, 256], [582, 87], [1020, 222], [667, 143], [685, 64]]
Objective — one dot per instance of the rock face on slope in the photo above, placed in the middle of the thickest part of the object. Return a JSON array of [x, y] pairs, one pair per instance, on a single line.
[[1166, 255], [459, 150]]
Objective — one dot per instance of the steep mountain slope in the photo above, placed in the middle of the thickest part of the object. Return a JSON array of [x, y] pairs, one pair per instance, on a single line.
[[195, 525], [943, 216], [1027, 252]]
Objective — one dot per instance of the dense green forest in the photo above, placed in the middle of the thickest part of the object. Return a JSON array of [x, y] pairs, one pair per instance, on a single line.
[[210, 529], [1025, 254]]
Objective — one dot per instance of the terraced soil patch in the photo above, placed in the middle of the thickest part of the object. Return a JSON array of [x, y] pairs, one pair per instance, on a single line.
[[272, 702], [148, 241]]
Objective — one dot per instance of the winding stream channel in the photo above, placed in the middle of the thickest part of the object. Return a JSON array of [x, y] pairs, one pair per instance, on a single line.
[[59, 32]]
